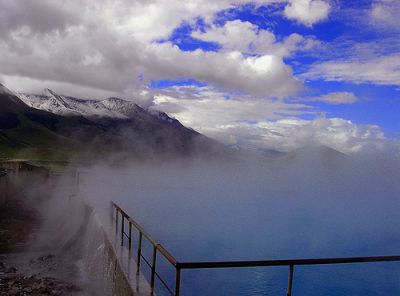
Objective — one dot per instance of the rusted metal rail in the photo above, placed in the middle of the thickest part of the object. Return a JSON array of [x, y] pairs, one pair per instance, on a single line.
[[117, 212]]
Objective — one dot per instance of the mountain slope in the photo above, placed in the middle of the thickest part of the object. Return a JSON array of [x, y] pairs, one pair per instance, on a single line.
[[28, 131], [114, 108], [91, 128]]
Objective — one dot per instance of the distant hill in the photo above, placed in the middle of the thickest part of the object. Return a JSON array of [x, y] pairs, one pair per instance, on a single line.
[[56, 126], [314, 158]]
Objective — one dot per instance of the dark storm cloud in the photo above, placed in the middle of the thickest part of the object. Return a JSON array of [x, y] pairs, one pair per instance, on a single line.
[[38, 16]]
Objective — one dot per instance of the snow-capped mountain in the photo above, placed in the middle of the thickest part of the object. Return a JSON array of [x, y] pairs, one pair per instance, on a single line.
[[10, 95], [58, 126], [111, 108], [4, 90]]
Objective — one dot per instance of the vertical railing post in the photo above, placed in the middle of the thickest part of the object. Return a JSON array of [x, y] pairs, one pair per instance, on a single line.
[[153, 269], [177, 281], [78, 181], [116, 221], [130, 238], [112, 213], [122, 228], [139, 252], [290, 280]]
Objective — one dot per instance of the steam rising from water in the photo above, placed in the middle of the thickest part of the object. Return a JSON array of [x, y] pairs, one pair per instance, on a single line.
[[312, 203]]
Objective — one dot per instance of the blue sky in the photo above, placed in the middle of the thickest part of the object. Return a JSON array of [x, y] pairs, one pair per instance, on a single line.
[[260, 74], [376, 104]]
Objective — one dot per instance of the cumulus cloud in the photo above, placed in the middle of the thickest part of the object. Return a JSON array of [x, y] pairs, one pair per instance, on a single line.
[[36, 86], [109, 44], [264, 123], [385, 13], [108, 47], [334, 98], [151, 20], [205, 108], [383, 70], [307, 12], [246, 37], [237, 35], [265, 75], [290, 134], [39, 16]]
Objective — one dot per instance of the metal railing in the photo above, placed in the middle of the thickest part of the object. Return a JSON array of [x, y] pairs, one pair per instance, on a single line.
[[179, 266], [157, 248]]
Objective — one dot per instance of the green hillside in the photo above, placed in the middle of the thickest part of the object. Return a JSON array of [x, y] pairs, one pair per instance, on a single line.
[[31, 133]]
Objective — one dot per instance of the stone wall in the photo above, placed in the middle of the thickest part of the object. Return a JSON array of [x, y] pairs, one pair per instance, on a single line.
[[107, 264]]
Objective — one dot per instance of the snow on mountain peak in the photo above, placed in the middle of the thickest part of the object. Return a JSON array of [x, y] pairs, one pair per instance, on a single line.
[[125, 108], [91, 109], [11, 95], [164, 117], [116, 103], [95, 110], [49, 92], [49, 101], [5, 91]]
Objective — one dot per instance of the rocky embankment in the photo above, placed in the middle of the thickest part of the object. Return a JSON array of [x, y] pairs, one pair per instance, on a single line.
[[29, 264]]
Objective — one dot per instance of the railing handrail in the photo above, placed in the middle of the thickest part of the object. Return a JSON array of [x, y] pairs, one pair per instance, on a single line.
[[285, 262], [227, 264], [167, 255], [137, 225]]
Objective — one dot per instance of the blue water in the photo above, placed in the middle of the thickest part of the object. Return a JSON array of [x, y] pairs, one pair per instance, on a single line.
[[253, 211]]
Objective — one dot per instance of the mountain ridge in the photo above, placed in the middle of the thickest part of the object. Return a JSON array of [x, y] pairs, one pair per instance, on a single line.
[[111, 107], [111, 126]]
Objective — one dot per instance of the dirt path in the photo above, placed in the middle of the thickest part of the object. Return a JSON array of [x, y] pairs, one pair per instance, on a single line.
[[27, 265]]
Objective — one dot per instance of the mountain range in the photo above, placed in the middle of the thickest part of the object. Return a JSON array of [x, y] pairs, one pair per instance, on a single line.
[[95, 110], [51, 125]]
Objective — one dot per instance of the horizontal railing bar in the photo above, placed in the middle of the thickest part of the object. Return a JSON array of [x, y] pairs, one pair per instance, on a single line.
[[226, 264], [286, 262], [164, 283], [230, 264]]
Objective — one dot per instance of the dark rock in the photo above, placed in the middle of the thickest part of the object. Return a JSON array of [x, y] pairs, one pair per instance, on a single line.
[[11, 270]]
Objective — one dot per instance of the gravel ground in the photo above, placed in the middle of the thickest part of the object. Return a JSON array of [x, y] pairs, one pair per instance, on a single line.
[[14, 229]]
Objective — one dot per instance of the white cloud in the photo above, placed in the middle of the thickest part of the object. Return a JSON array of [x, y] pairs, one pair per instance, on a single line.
[[22, 84], [205, 109], [144, 20], [307, 12], [385, 13], [334, 98], [238, 35], [290, 134], [248, 38], [265, 75], [149, 20], [261, 123], [108, 44], [383, 70], [101, 48]]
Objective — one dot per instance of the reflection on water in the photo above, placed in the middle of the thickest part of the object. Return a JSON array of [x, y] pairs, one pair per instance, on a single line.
[[282, 209]]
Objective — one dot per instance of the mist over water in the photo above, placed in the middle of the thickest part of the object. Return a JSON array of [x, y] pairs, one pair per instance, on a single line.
[[308, 204]]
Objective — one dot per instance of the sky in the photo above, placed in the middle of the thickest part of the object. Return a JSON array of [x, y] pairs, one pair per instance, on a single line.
[[262, 74]]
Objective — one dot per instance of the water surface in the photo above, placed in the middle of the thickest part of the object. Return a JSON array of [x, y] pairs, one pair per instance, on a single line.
[[282, 209]]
